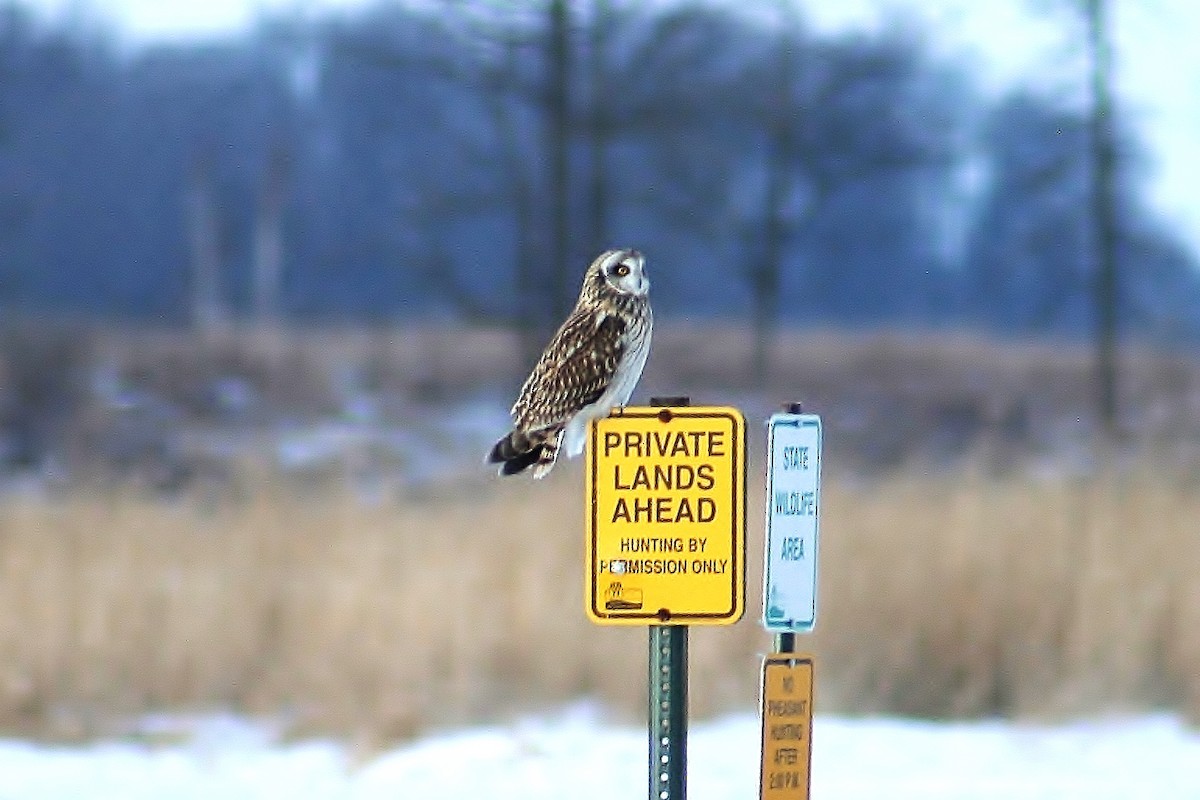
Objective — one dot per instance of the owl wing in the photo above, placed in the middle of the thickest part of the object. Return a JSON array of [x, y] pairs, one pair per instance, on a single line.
[[574, 371]]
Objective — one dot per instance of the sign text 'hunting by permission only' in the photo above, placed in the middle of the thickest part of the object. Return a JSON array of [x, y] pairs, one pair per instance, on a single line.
[[666, 521]]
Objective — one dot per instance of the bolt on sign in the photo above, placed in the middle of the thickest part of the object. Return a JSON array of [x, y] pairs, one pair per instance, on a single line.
[[793, 503], [787, 693], [666, 516]]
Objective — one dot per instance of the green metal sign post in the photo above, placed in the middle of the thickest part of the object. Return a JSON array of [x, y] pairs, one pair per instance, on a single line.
[[667, 718], [665, 547]]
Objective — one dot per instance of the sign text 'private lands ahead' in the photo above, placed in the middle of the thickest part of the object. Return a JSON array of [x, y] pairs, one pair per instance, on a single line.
[[666, 521]]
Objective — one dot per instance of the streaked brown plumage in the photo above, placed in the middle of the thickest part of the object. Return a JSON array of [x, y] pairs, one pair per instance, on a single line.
[[590, 366]]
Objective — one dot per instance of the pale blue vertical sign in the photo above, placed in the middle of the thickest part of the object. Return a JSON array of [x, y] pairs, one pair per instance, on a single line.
[[793, 512]]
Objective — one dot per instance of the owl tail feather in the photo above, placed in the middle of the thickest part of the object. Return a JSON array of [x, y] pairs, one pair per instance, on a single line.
[[518, 451]]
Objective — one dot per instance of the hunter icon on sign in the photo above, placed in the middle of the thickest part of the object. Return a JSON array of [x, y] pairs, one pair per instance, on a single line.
[[618, 598]]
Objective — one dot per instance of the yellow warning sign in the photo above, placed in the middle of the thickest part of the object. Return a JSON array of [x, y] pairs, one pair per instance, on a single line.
[[787, 694], [666, 516]]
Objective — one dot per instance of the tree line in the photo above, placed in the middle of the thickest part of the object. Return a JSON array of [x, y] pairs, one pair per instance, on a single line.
[[466, 160]]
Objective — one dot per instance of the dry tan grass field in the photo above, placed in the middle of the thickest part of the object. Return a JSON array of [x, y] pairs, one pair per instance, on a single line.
[[955, 595], [978, 555]]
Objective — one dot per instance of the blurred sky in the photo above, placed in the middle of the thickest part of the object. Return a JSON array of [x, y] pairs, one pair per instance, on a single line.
[[1012, 40]]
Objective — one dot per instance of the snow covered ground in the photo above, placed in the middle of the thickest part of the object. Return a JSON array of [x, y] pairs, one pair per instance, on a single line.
[[575, 755]]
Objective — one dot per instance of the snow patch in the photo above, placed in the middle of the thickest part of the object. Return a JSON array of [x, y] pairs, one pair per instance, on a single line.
[[577, 755]]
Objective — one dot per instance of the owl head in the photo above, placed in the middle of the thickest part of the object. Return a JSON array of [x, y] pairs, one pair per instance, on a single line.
[[620, 271]]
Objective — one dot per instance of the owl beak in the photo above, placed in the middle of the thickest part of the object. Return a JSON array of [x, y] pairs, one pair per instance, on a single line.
[[643, 281]]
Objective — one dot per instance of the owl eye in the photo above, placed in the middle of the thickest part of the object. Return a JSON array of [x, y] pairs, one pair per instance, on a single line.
[[621, 271]]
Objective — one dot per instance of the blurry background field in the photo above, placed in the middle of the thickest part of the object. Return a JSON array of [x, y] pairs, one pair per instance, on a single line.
[[953, 596], [338, 581], [267, 293]]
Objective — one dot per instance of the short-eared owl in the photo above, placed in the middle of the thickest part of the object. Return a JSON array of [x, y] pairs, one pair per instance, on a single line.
[[590, 367]]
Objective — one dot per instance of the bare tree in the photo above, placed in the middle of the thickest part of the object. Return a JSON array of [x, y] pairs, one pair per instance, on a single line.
[[599, 127], [503, 45], [559, 65], [1104, 209], [520, 181], [522, 62], [807, 159], [208, 310], [765, 272], [1096, 16], [268, 239], [491, 46]]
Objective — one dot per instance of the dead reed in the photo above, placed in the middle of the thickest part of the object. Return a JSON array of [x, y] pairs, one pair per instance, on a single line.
[[964, 595]]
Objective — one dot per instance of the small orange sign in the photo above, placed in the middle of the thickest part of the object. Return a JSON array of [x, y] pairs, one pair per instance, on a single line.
[[787, 694]]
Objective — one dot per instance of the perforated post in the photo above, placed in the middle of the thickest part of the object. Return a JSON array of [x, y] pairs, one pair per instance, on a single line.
[[668, 701], [668, 712]]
